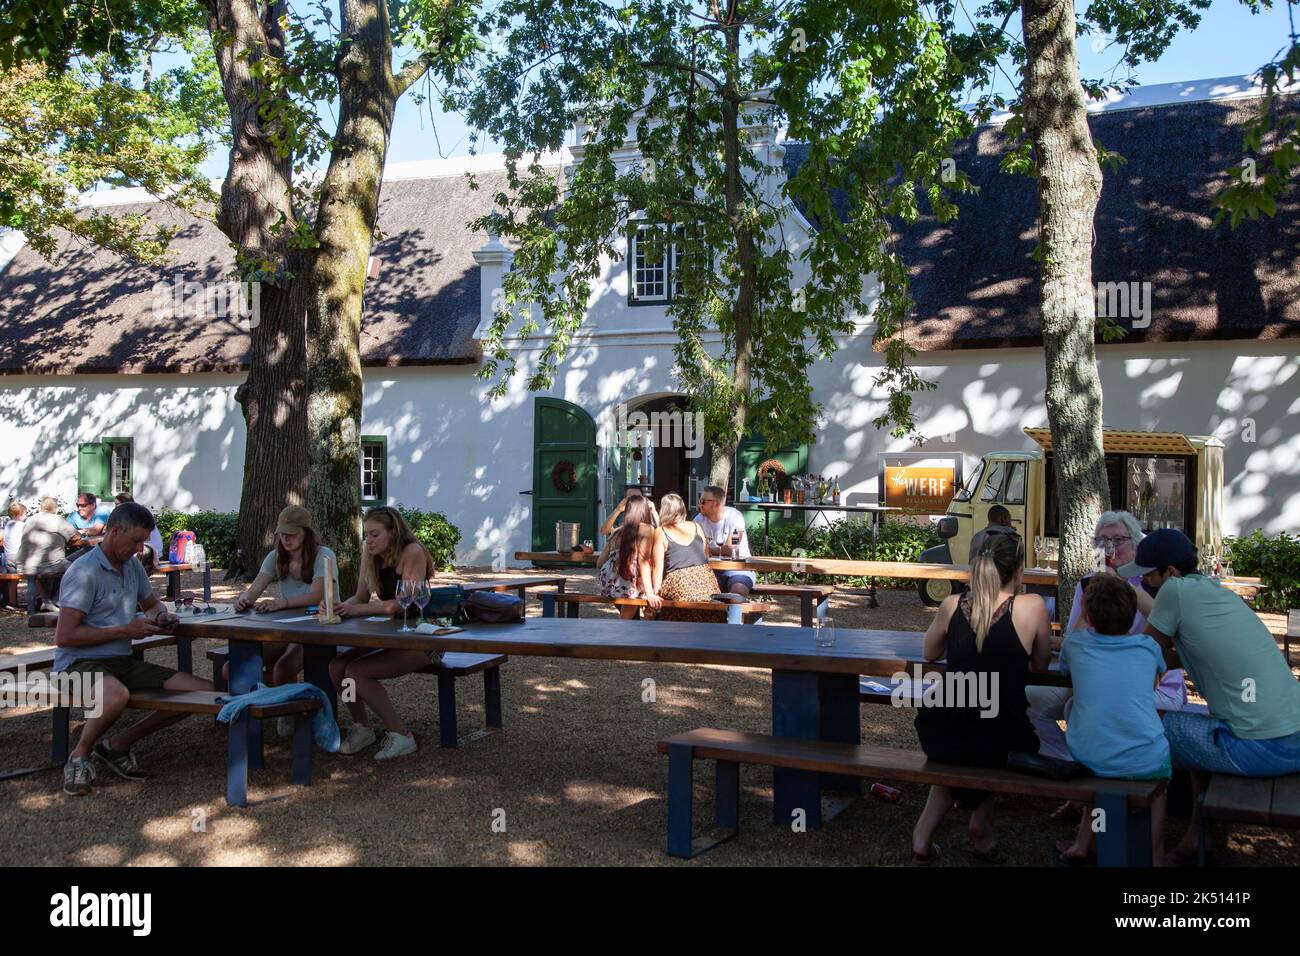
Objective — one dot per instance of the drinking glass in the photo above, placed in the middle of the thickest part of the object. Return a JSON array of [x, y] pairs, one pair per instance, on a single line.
[[824, 632], [1227, 572], [420, 592], [405, 597]]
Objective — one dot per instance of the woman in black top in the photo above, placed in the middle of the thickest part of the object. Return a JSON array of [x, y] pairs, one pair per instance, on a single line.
[[999, 635]]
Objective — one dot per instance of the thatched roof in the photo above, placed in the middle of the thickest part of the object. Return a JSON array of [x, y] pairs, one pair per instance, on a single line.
[[92, 311], [975, 281]]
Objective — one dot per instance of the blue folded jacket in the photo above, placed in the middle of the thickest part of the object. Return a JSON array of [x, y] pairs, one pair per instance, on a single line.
[[324, 729]]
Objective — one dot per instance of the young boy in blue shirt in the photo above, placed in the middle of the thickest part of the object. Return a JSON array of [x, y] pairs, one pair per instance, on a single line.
[[1114, 729]]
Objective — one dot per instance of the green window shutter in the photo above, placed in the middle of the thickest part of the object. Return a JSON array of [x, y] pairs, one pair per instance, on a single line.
[[92, 468]]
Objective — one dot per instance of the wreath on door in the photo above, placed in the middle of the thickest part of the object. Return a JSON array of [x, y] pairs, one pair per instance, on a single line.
[[564, 476]]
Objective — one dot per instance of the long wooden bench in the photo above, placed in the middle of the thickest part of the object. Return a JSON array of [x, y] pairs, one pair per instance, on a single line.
[[732, 613], [1262, 801], [43, 660], [454, 664], [10, 581], [238, 759], [1126, 839], [814, 599]]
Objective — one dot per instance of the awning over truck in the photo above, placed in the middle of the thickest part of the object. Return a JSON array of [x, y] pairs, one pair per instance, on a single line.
[[1131, 443]]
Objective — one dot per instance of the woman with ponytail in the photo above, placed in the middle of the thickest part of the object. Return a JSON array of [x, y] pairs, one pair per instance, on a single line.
[[996, 636], [626, 563]]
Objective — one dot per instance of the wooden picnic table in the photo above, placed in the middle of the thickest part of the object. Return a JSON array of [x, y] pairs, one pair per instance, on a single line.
[[844, 567], [814, 689]]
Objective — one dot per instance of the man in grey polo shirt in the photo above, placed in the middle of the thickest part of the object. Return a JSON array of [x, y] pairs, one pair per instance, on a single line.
[[97, 622]]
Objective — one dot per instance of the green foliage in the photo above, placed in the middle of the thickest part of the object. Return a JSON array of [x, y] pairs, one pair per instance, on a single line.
[[848, 538], [435, 532], [1273, 558], [62, 133], [1274, 137], [872, 89], [215, 530]]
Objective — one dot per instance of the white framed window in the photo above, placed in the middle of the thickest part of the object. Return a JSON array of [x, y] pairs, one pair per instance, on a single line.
[[650, 265], [121, 460], [374, 470]]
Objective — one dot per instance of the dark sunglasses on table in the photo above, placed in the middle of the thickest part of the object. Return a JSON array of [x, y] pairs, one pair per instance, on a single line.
[[189, 603]]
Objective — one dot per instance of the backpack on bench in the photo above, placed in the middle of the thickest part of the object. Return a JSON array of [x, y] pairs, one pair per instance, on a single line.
[[494, 607]]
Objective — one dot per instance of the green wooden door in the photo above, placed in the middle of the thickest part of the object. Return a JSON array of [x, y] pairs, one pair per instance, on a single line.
[[749, 455], [92, 468], [563, 432]]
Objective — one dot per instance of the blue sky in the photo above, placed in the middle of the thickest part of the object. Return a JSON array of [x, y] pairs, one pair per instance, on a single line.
[[1230, 41]]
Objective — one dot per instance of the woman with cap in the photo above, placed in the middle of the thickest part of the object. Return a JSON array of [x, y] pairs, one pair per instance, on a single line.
[[297, 565], [390, 553]]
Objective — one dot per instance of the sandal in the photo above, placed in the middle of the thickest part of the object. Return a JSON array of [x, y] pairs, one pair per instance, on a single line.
[[1074, 861], [992, 856], [1068, 809], [926, 859]]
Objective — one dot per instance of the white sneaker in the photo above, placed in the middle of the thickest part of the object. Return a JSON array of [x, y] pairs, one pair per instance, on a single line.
[[396, 745], [284, 726], [358, 739]]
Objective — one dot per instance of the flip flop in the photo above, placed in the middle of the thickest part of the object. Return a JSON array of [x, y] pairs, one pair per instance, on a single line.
[[926, 859], [1067, 810], [992, 856], [1074, 861]]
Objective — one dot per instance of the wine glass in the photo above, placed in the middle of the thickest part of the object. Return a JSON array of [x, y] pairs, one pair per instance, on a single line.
[[405, 597], [420, 592]]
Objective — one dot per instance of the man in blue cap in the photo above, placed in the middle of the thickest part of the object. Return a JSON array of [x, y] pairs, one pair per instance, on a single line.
[[1253, 727]]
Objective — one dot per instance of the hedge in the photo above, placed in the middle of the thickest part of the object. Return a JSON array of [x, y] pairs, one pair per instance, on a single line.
[[215, 530], [850, 538], [1275, 559]]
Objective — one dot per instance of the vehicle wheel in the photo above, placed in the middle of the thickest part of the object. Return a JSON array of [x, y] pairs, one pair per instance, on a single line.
[[933, 591]]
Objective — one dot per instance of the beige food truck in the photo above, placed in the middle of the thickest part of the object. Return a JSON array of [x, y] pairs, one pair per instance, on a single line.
[[1167, 480]]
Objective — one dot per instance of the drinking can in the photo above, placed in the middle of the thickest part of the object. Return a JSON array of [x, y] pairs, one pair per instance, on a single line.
[[886, 794]]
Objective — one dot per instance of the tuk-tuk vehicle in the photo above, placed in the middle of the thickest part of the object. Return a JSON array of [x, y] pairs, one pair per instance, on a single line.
[[1165, 479]]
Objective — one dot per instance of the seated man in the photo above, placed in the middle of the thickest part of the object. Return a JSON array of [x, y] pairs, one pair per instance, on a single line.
[[97, 623], [724, 530], [89, 517], [46, 536], [999, 523], [1253, 727]]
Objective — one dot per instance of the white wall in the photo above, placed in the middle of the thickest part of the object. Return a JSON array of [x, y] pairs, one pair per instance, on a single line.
[[451, 451]]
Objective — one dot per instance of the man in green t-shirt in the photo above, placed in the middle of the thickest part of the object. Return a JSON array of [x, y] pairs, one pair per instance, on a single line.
[[1253, 727]]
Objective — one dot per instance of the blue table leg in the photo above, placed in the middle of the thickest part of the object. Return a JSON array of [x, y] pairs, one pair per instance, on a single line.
[[812, 706], [316, 669], [245, 671], [302, 750], [1126, 839], [237, 752], [681, 800], [548, 604]]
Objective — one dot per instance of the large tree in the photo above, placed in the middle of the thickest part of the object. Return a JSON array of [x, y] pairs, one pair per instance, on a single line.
[[305, 238], [870, 88]]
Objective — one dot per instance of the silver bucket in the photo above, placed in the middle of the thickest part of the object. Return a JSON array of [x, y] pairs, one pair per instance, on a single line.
[[566, 535]]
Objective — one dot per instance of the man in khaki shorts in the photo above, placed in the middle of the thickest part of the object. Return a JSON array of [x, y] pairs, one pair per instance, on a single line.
[[99, 599]]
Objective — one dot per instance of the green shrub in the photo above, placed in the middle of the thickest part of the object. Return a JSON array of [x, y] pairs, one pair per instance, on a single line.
[[1275, 559], [215, 530], [850, 538], [435, 532]]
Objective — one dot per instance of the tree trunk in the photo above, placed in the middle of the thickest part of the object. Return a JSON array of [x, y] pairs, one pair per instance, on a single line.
[[742, 311], [1069, 185], [255, 197], [345, 224]]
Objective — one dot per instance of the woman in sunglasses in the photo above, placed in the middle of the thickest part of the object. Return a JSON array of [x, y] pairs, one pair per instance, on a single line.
[[297, 566]]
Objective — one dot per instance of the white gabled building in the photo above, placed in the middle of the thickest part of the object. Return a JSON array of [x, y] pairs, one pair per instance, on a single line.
[[96, 390]]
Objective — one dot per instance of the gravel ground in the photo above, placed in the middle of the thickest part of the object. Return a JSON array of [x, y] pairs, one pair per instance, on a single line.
[[574, 778]]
